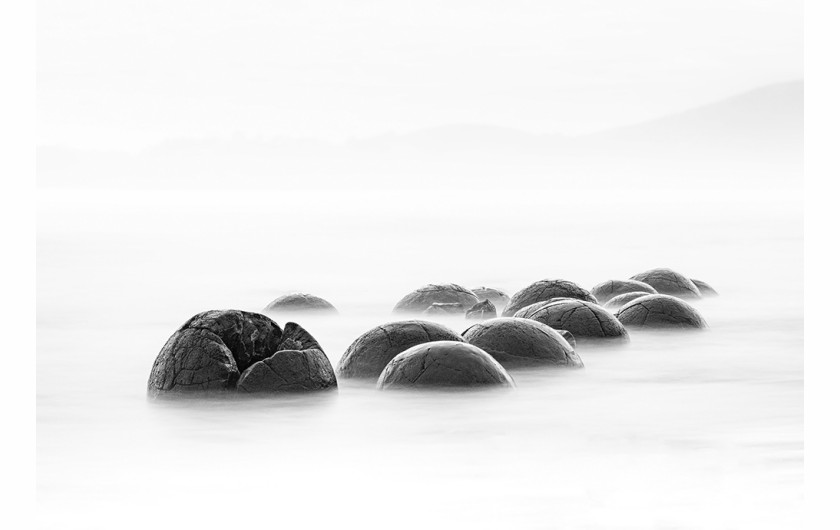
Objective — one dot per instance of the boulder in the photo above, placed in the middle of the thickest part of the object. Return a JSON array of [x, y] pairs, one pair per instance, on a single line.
[[618, 301], [605, 291], [289, 371], [420, 299], [583, 319], [519, 342], [704, 288], [368, 355], [482, 311], [667, 281], [443, 364], [660, 311], [439, 308], [544, 290], [497, 297], [299, 303]]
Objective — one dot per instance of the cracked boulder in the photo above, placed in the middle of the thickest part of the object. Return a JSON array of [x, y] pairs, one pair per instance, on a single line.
[[582, 319], [667, 281], [443, 364], [609, 289], [482, 311], [289, 371], [299, 303], [420, 299], [439, 308], [617, 302], [544, 290], [660, 311], [368, 355], [519, 342], [704, 288], [497, 297]]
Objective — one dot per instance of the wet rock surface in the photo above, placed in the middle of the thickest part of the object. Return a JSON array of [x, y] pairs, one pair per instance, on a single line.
[[443, 364], [482, 311], [667, 281], [617, 302], [368, 355], [609, 289], [497, 297], [300, 302], [420, 299], [583, 319], [519, 342], [660, 311], [704, 288], [544, 290]]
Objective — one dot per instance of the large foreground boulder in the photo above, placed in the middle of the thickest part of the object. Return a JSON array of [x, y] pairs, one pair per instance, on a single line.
[[609, 289], [583, 319], [300, 303], [546, 290], [443, 364], [617, 302], [667, 281], [704, 288], [482, 311], [660, 311], [368, 355], [519, 342], [497, 297], [420, 299]]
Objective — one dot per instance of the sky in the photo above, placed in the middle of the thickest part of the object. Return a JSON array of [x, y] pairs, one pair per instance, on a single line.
[[127, 75]]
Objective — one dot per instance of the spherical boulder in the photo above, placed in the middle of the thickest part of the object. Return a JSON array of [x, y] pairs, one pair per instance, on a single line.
[[519, 342], [667, 281], [604, 291], [583, 319], [617, 302], [497, 297], [443, 364], [482, 311], [546, 290], [300, 303], [420, 299], [704, 288], [368, 355], [660, 311]]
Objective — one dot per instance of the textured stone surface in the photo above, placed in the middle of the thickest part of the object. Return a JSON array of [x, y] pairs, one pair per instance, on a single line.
[[443, 364], [420, 299], [583, 319], [667, 281], [519, 342], [618, 301], [300, 302], [660, 311], [546, 290], [289, 371], [498, 297], [482, 311], [704, 288], [605, 291], [368, 355], [444, 309]]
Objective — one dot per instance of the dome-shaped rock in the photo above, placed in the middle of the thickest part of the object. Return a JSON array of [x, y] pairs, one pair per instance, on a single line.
[[497, 297], [617, 302], [704, 288], [583, 319], [604, 291], [443, 364], [368, 355], [667, 281], [546, 290], [298, 303], [420, 299], [660, 311], [482, 311], [519, 342]]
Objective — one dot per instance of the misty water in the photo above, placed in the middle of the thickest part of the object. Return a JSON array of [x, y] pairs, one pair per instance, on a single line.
[[672, 430]]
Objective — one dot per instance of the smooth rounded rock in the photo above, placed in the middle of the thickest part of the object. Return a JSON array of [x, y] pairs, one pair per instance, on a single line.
[[609, 289], [300, 303], [546, 290], [520, 342], [420, 299], [660, 311], [368, 355], [497, 297], [443, 364], [667, 281], [482, 311], [582, 319], [617, 302], [704, 288]]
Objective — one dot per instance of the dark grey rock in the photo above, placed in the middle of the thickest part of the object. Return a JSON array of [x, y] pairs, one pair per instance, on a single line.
[[420, 299], [660, 311], [617, 302], [546, 290], [605, 291], [667, 281], [583, 319], [444, 309], [289, 371], [299, 303], [497, 297], [368, 355], [704, 288], [482, 311], [443, 364], [519, 342]]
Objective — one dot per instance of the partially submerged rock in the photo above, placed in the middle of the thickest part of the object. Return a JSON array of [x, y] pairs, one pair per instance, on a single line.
[[583, 319], [546, 290], [519, 342], [443, 364], [617, 302], [704, 288], [660, 311], [482, 311], [300, 302], [498, 297], [420, 299], [368, 355], [289, 371], [667, 281], [439, 308], [609, 289]]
